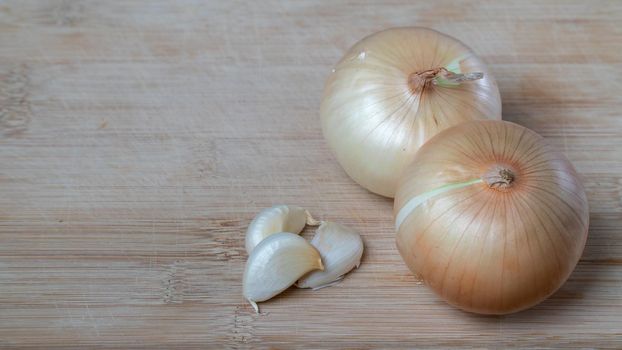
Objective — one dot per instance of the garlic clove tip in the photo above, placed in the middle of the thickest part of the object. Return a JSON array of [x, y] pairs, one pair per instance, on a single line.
[[320, 264], [311, 221], [254, 305]]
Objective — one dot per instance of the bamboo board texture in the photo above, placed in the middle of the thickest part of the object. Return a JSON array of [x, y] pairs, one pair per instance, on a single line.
[[139, 138]]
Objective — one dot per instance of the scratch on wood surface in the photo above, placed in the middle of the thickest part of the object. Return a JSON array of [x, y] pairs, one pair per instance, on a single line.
[[243, 330], [15, 111], [92, 320], [67, 13], [175, 285]]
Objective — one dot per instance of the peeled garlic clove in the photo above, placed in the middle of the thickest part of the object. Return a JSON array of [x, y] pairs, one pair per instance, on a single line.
[[276, 263], [279, 218], [341, 249]]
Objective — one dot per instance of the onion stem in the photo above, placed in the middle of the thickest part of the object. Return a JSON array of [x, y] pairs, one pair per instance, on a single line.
[[440, 76], [500, 177]]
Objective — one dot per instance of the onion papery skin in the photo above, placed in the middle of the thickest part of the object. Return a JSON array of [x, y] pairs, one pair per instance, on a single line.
[[491, 247], [375, 116]]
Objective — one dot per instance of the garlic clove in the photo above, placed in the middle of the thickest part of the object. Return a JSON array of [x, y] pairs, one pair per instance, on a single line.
[[279, 218], [341, 249], [276, 263]]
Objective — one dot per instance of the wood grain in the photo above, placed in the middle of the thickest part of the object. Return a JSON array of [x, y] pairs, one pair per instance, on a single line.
[[139, 138]]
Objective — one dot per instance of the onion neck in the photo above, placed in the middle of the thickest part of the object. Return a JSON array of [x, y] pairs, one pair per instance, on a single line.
[[418, 81], [500, 177]]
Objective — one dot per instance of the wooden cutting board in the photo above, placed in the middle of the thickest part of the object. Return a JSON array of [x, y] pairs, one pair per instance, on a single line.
[[139, 138]]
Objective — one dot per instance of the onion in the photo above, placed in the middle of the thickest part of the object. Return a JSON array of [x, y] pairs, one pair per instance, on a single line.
[[491, 217], [393, 91]]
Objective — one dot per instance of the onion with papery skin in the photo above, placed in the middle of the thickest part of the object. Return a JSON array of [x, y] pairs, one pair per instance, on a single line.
[[394, 90], [491, 217]]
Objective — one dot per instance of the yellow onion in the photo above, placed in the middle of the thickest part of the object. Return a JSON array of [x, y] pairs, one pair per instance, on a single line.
[[491, 217], [394, 90]]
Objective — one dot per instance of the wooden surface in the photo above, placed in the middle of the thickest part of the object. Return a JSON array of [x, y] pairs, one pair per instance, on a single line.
[[139, 138]]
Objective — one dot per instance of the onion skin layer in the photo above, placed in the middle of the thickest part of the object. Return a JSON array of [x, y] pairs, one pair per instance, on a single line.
[[376, 113], [500, 245]]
